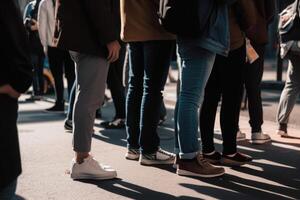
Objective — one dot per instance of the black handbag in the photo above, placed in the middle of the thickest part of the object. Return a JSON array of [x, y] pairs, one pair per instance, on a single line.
[[289, 23], [181, 18]]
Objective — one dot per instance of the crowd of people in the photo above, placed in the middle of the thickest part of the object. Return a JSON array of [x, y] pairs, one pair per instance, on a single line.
[[99, 44]]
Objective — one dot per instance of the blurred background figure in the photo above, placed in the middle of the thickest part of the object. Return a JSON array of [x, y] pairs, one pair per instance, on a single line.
[[15, 78], [59, 60], [37, 54]]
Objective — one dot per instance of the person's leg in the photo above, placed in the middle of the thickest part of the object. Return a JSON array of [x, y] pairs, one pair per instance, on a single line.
[[10, 164], [232, 80], [91, 73], [56, 61], [9, 192], [157, 55], [135, 94], [253, 78], [69, 122], [289, 94], [196, 68], [208, 111], [114, 83], [40, 73], [69, 67]]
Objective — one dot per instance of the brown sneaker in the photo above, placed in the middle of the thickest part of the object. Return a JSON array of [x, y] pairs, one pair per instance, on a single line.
[[198, 167], [238, 159]]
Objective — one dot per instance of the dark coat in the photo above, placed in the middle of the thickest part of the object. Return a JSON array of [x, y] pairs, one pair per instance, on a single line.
[[15, 69], [265, 12], [86, 26]]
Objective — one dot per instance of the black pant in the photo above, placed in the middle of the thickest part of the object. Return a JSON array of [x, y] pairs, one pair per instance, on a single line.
[[253, 78], [60, 62], [149, 67], [115, 84], [10, 164], [226, 81], [38, 77]]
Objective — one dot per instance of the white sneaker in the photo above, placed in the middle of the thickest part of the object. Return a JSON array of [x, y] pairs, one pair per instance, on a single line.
[[282, 133], [91, 169], [240, 136], [132, 154], [260, 138], [157, 158]]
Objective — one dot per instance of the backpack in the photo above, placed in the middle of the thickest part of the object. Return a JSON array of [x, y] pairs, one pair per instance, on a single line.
[[289, 23], [181, 17]]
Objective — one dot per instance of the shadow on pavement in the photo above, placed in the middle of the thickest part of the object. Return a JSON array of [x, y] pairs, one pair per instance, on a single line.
[[132, 191]]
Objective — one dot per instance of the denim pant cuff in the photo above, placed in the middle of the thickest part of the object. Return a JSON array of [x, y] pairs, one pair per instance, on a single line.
[[133, 147], [188, 155]]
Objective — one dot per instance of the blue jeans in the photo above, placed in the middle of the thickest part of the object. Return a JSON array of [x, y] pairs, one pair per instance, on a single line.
[[197, 64], [8, 193], [148, 70]]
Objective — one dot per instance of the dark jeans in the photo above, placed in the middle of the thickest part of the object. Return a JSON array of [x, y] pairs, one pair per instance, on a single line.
[[226, 81], [10, 164], [60, 62], [115, 84], [38, 77], [149, 66], [253, 78]]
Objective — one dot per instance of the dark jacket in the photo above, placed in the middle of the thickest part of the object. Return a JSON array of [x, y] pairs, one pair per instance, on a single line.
[[265, 12], [15, 69], [86, 26], [216, 37]]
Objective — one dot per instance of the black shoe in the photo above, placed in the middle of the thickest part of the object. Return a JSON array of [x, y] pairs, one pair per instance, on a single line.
[[115, 124], [34, 98], [57, 108], [214, 158], [68, 125], [238, 159]]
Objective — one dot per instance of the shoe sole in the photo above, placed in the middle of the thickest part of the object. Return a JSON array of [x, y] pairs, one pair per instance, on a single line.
[[88, 177], [240, 139], [283, 134], [155, 162], [132, 157], [182, 172], [260, 141]]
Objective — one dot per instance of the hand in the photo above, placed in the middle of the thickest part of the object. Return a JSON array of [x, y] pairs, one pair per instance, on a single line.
[[34, 26], [7, 89], [113, 51]]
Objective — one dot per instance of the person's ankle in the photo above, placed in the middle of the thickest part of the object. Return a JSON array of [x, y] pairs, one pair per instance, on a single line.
[[282, 127], [256, 130], [79, 157]]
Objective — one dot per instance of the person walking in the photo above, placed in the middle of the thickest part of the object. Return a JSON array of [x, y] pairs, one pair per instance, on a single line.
[[36, 48], [226, 82], [289, 49], [150, 48], [15, 78], [86, 28], [264, 11], [197, 55], [59, 60]]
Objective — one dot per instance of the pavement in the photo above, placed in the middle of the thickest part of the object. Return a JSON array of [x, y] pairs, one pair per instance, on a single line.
[[46, 151]]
